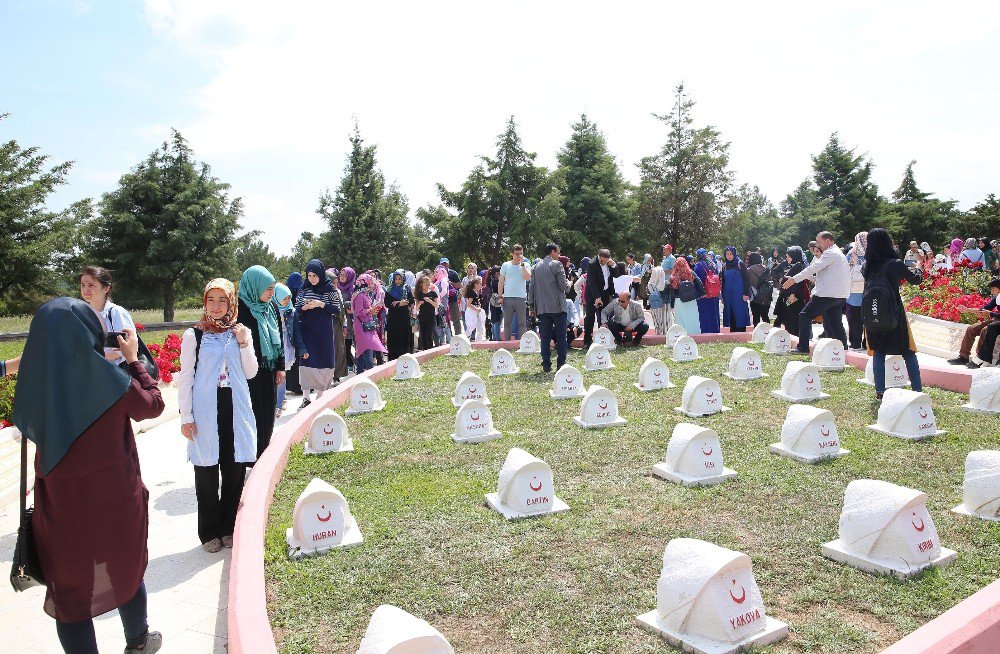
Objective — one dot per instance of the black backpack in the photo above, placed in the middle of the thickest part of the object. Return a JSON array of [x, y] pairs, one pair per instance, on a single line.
[[686, 291], [879, 303], [764, 292]]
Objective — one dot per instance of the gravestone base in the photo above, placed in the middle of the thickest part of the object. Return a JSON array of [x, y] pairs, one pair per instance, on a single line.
[[348, 448], [799, 400], [774, 630], [831, 368], [661, 471], [504, 374], [377, 407], [728, 374], [699, 415], [352, 538], [685, 360], [589, 368], [864, 381], [493, 501], [458, 405], [906, 437], [961, 509], [974, 409], [780, 449], [617, 422], [577, 396], [836, 551], [416, 376], [481, 438], [647, 389]]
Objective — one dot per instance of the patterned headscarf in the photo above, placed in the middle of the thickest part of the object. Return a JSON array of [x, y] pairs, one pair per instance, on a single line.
[[860, 243], [226, 322], [682, 273], [956, 246]]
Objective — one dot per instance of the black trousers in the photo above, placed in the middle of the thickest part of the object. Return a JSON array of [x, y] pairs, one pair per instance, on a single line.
[[758, 313], [217, 506], [855, 327], [987, 341], [588, 320], [426, 335]]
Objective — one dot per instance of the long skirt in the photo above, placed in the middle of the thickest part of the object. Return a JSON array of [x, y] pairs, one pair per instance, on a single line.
[[708, 315], [315, 379], [686, 315], [339, 352], [661, 319]]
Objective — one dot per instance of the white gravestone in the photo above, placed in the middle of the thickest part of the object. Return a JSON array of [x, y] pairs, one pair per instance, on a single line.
[[530, 344], [778, 341], [685, 349], [744, 365], [567, 384], [474, 423], [981, 487], [674, 332], [321, 521], [503, 364], [984, 395], [460, 346], [906, 414], [701, 397], [603, 336], [599, 409], [598, 358], [365, 397], [800, 383], [708, 601], [809, 435], [829, 355], [694, 457], [896, 375], [653, 376], [760, 332], [886, 529], [525, 488], [328, 434], [392, 630], [407, 367], [470, 387]]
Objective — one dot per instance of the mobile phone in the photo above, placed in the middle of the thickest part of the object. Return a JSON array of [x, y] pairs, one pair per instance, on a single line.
[[111, 340]]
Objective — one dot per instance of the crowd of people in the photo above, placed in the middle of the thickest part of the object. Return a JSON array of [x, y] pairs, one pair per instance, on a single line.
[[260, 339]]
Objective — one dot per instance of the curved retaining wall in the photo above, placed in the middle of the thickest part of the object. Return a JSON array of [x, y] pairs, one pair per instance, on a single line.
[[970, 627]]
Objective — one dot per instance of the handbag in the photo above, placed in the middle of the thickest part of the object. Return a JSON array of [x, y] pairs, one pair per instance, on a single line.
[[26, 571]]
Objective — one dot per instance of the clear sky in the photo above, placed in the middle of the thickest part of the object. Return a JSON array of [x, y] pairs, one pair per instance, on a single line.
[[266, 92]]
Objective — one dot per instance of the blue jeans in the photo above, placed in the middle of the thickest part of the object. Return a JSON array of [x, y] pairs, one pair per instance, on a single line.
[[552, 326], [832, 310], [281, 391], [495, 326], [79, 637], [363, 361], [912, 369]]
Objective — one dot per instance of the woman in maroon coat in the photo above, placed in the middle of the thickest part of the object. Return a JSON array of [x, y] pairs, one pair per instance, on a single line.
[[91, 507]]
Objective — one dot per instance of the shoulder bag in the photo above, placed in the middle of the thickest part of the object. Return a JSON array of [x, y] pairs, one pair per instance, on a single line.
[[26, 570]]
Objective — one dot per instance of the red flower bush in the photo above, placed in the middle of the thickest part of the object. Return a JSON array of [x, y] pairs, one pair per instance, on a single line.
[[167, 357], [943, 291]]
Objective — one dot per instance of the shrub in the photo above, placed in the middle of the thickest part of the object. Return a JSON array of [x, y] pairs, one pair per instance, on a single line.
[[943, 291]]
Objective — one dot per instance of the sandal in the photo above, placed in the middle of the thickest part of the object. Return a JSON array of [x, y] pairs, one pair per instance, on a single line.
[[154, 641], [212, 546]]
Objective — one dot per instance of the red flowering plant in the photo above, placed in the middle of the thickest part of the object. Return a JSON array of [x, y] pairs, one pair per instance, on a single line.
[[168, 357], [943, 291]]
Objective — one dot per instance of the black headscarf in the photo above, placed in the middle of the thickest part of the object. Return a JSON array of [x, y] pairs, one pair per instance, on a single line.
[[64, 384], [795, 252], [324, 286]]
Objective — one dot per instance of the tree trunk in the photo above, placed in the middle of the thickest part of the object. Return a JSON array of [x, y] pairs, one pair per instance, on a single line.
[[169, 299]]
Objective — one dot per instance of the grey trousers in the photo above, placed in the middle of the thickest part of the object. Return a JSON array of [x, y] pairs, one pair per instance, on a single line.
[[514, 306]]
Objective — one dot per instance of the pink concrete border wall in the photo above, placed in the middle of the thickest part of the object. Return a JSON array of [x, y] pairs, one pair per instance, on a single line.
[[970, 627]]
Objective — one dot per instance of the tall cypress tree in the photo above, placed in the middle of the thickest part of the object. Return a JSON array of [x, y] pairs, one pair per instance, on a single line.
[[844, 179], [908, 191], [916, 215]]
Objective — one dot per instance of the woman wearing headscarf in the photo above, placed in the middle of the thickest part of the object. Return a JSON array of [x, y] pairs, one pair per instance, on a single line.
[[735, 292], [990, 257], [954, 253], [791, 300], [260, 315], [686, 287], [657, 293], [708, 307], [366, 310], [345, 284], [91, 515], [491, 285], [287, 320], [316, 307], [441, 284], [216, 417], [760, 305], [856, 260], [294, 283], [339, 355], [971, 253], [398, 331]]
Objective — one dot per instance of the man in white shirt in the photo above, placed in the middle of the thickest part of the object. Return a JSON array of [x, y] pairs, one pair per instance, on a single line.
[[833, 285], [513, 291]]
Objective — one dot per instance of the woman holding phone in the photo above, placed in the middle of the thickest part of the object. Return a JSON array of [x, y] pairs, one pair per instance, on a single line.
[[95, 289]]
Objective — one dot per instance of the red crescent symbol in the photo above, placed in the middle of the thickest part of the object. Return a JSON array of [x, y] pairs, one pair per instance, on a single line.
[[602, 405], [709, 452], [809, 380], [532, 486], [922, 525], [569, 380], [656, 373], [742, 598], [363, 396], [475, 417], [825, 432], [923, 414], [712, 394], [836, 353], [329, 514], [472, 390], [327, 430], [895, 367]]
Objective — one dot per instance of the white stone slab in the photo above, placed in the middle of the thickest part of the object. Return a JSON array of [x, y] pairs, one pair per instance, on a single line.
[[365, 398], [470, 387], [392, 630], [525, 488], [981, 486], [685, 349], [760, 332], [603, 336], [654, 375], [407, 367], [328, 434], [829, 355], [895, 372], [701, 397], [800, 383], [707, 600], [694, 457], [321, 521], [460, 346], [503, 363], [599, 409], [567, 384], [778, 342], [984, 395], [598, 358], [886, 529], [474, 423], [744, 365], [530, 344], [809, 434], [675, 332], [906, 414]]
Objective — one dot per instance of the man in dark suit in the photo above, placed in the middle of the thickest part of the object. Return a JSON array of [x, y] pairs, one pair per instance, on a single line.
[[598, 291]]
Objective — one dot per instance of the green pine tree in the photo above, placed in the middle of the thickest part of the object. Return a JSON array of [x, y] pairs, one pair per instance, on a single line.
[[805, 214], [844, 179], [908, 191], [915, 215]]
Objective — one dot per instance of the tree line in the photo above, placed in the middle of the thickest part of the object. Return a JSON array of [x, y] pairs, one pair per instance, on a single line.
[[169, 224]]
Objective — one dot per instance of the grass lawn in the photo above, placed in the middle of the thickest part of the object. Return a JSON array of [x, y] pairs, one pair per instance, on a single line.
[[574, 582]]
